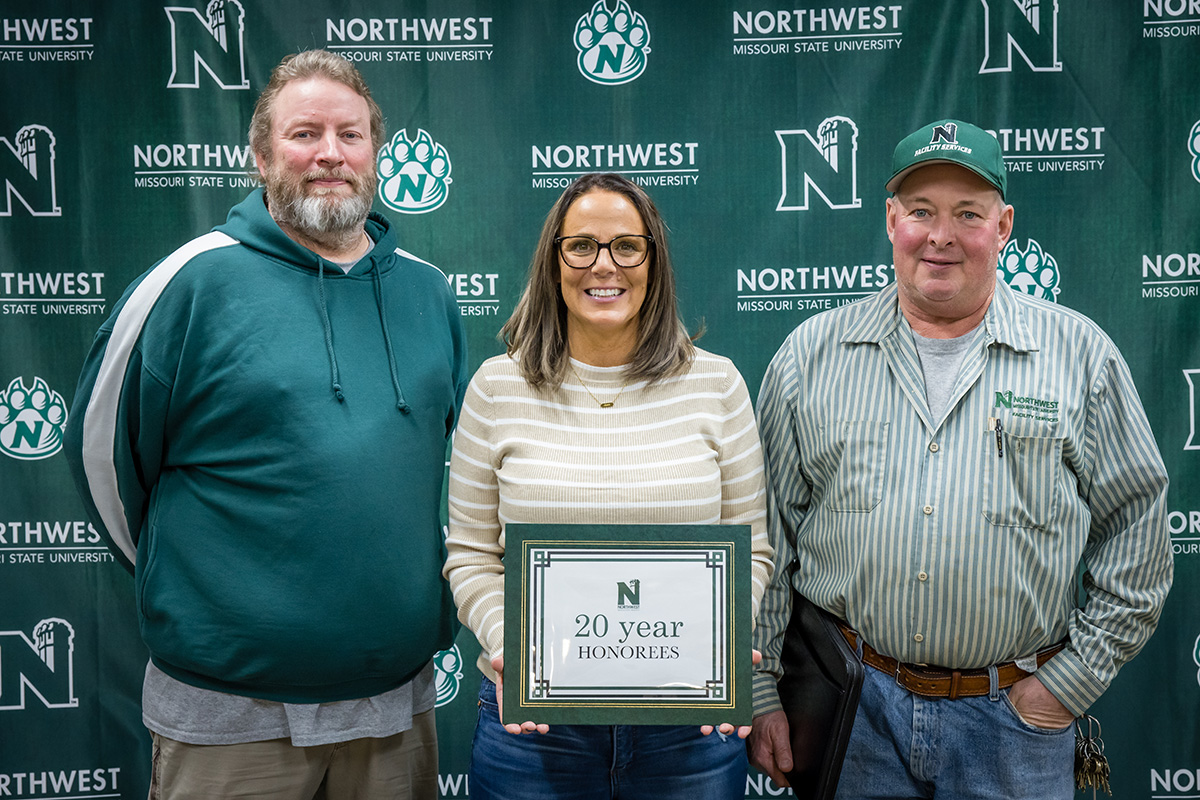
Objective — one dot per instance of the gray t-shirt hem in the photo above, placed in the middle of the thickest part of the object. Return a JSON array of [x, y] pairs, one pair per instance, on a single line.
[[194, 715]]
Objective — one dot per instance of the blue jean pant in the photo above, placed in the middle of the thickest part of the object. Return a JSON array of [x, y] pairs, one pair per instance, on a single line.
[[621, 762], [906, 746]]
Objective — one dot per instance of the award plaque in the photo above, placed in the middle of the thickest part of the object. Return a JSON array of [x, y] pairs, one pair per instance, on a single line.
[[627, 624]]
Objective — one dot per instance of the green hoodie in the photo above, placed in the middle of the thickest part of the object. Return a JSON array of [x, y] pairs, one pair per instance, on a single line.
[[261, 439]]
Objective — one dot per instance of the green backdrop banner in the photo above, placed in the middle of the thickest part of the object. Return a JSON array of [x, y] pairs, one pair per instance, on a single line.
[[764, 131]]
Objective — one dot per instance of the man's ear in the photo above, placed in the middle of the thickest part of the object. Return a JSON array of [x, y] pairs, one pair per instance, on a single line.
[[1006, 225]]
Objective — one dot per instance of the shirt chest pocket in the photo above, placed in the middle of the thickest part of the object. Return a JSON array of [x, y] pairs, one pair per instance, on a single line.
[[859, 448], [1022, 488]]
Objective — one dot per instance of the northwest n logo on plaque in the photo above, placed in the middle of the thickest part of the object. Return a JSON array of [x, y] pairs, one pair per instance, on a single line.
[[629, 594]]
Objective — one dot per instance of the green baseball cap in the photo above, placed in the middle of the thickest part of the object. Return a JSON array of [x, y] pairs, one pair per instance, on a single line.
[[950, 141]]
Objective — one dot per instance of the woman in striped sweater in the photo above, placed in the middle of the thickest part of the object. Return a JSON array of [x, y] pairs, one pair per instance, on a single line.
[[601, 411]]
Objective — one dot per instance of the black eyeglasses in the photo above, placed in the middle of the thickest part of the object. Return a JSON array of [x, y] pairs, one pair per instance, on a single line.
[[581, 252]]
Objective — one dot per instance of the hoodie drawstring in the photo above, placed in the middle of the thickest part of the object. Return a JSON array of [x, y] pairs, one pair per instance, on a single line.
[[337, 386], [387, 342], [401, 405]]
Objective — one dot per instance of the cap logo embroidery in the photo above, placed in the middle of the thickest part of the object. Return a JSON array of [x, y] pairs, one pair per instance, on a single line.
[[945, 133]]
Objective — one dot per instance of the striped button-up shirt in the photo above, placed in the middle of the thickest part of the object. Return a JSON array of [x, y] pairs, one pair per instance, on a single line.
[[956, 541]]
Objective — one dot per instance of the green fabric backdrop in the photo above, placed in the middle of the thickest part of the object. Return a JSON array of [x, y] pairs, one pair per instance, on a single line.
[[764, 132]]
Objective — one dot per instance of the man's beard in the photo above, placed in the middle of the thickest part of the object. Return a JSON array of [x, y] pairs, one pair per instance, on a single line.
[[324, 216]]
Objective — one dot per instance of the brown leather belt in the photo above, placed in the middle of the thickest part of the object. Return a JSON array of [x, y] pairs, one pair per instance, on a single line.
[[930, 681]]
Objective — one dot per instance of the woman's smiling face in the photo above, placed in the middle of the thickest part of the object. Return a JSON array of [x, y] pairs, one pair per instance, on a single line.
[[603, 301]]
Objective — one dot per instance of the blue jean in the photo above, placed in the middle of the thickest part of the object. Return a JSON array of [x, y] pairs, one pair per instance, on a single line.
[[617, 762], [905, 746]]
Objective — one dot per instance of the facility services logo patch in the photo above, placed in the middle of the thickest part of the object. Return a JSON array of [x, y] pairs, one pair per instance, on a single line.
[[612, 45], [1032, 271], [826, 164], [447, 667], [44, 665], [27, 172], [1021, 405], [31, 420], [414, 174], [213, 41]]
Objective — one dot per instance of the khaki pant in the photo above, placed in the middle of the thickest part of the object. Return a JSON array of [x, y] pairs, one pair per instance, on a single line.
[[400, 767]]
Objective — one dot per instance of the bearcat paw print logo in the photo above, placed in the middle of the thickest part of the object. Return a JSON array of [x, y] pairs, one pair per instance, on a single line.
[[31, 420], [1196, 657], [612, 45], [1194, 149], [413, 173], [1032, 270], [447, 668]]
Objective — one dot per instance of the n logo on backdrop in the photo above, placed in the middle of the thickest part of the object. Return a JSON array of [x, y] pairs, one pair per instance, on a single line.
[[212, 41], [612, 45], [826, 164], [27, 172], [1193, 442], [1029, 27], [45, 665]]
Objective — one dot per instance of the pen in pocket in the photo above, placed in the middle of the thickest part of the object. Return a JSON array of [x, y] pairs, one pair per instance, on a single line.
[[994, 424]]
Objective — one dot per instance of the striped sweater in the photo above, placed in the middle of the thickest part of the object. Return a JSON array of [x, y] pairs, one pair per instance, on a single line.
[[683, 450]]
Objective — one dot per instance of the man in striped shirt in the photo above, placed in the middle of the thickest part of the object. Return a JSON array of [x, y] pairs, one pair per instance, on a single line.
[[942, 458]]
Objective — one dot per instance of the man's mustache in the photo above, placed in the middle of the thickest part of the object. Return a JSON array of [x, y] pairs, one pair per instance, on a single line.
[[331, 174]]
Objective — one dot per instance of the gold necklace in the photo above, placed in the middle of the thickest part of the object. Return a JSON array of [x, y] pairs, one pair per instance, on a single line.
[[609, 404]]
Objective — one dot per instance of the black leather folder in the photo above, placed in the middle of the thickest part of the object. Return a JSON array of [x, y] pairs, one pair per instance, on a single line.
[[822, 678]]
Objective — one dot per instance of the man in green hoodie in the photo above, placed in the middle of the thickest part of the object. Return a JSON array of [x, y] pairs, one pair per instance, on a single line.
[[259, 432]]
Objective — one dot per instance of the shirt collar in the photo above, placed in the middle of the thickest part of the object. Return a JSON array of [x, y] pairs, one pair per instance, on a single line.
[[879, 316]]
